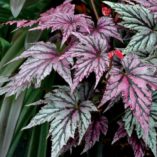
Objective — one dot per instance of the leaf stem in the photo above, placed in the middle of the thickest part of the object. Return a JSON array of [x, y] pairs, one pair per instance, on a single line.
[[108, 76], [110, 67], [94, 9]]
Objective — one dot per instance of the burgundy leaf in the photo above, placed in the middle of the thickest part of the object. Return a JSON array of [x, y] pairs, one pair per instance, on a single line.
[[104, 29], [133, 82], [133, 140], [41, 58], [121, 132], [136, 146], [97, 127], [91, 57]]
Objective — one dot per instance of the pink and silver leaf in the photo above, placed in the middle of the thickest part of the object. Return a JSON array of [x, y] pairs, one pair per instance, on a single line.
[[64, 8], [47, 17], [133, 82], [131, 124], [67, 116], [104, 29], [22, 23], [41, 59], [42, 21], [91, 54], [67, 23]]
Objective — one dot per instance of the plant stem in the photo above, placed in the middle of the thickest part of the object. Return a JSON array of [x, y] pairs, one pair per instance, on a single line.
[[106, 81], [94, 9], [110, 68]]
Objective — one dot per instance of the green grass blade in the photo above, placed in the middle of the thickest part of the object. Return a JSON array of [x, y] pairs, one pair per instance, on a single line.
[[33, 144], [11, 123], [26, 114], [19, 134], [14, 49], [4, 112], [32, 37], [16, 6], [42, 147]]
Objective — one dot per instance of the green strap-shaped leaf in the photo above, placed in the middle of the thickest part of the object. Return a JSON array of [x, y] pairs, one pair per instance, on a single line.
[[32, 37], [14, 113], [16, 6]]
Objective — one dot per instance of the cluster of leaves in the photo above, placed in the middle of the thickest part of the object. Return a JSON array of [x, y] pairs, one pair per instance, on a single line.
[[82, 47]]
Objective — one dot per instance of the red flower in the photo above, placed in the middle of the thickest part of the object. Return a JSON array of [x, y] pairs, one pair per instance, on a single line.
[[117, 53], [106, 11]]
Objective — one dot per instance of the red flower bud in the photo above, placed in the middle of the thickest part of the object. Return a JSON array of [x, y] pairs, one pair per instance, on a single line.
[[117, 53], [106, 11], [110, 54]]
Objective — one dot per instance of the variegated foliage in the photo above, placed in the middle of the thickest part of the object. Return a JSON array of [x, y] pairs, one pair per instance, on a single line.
[[88, 47]]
